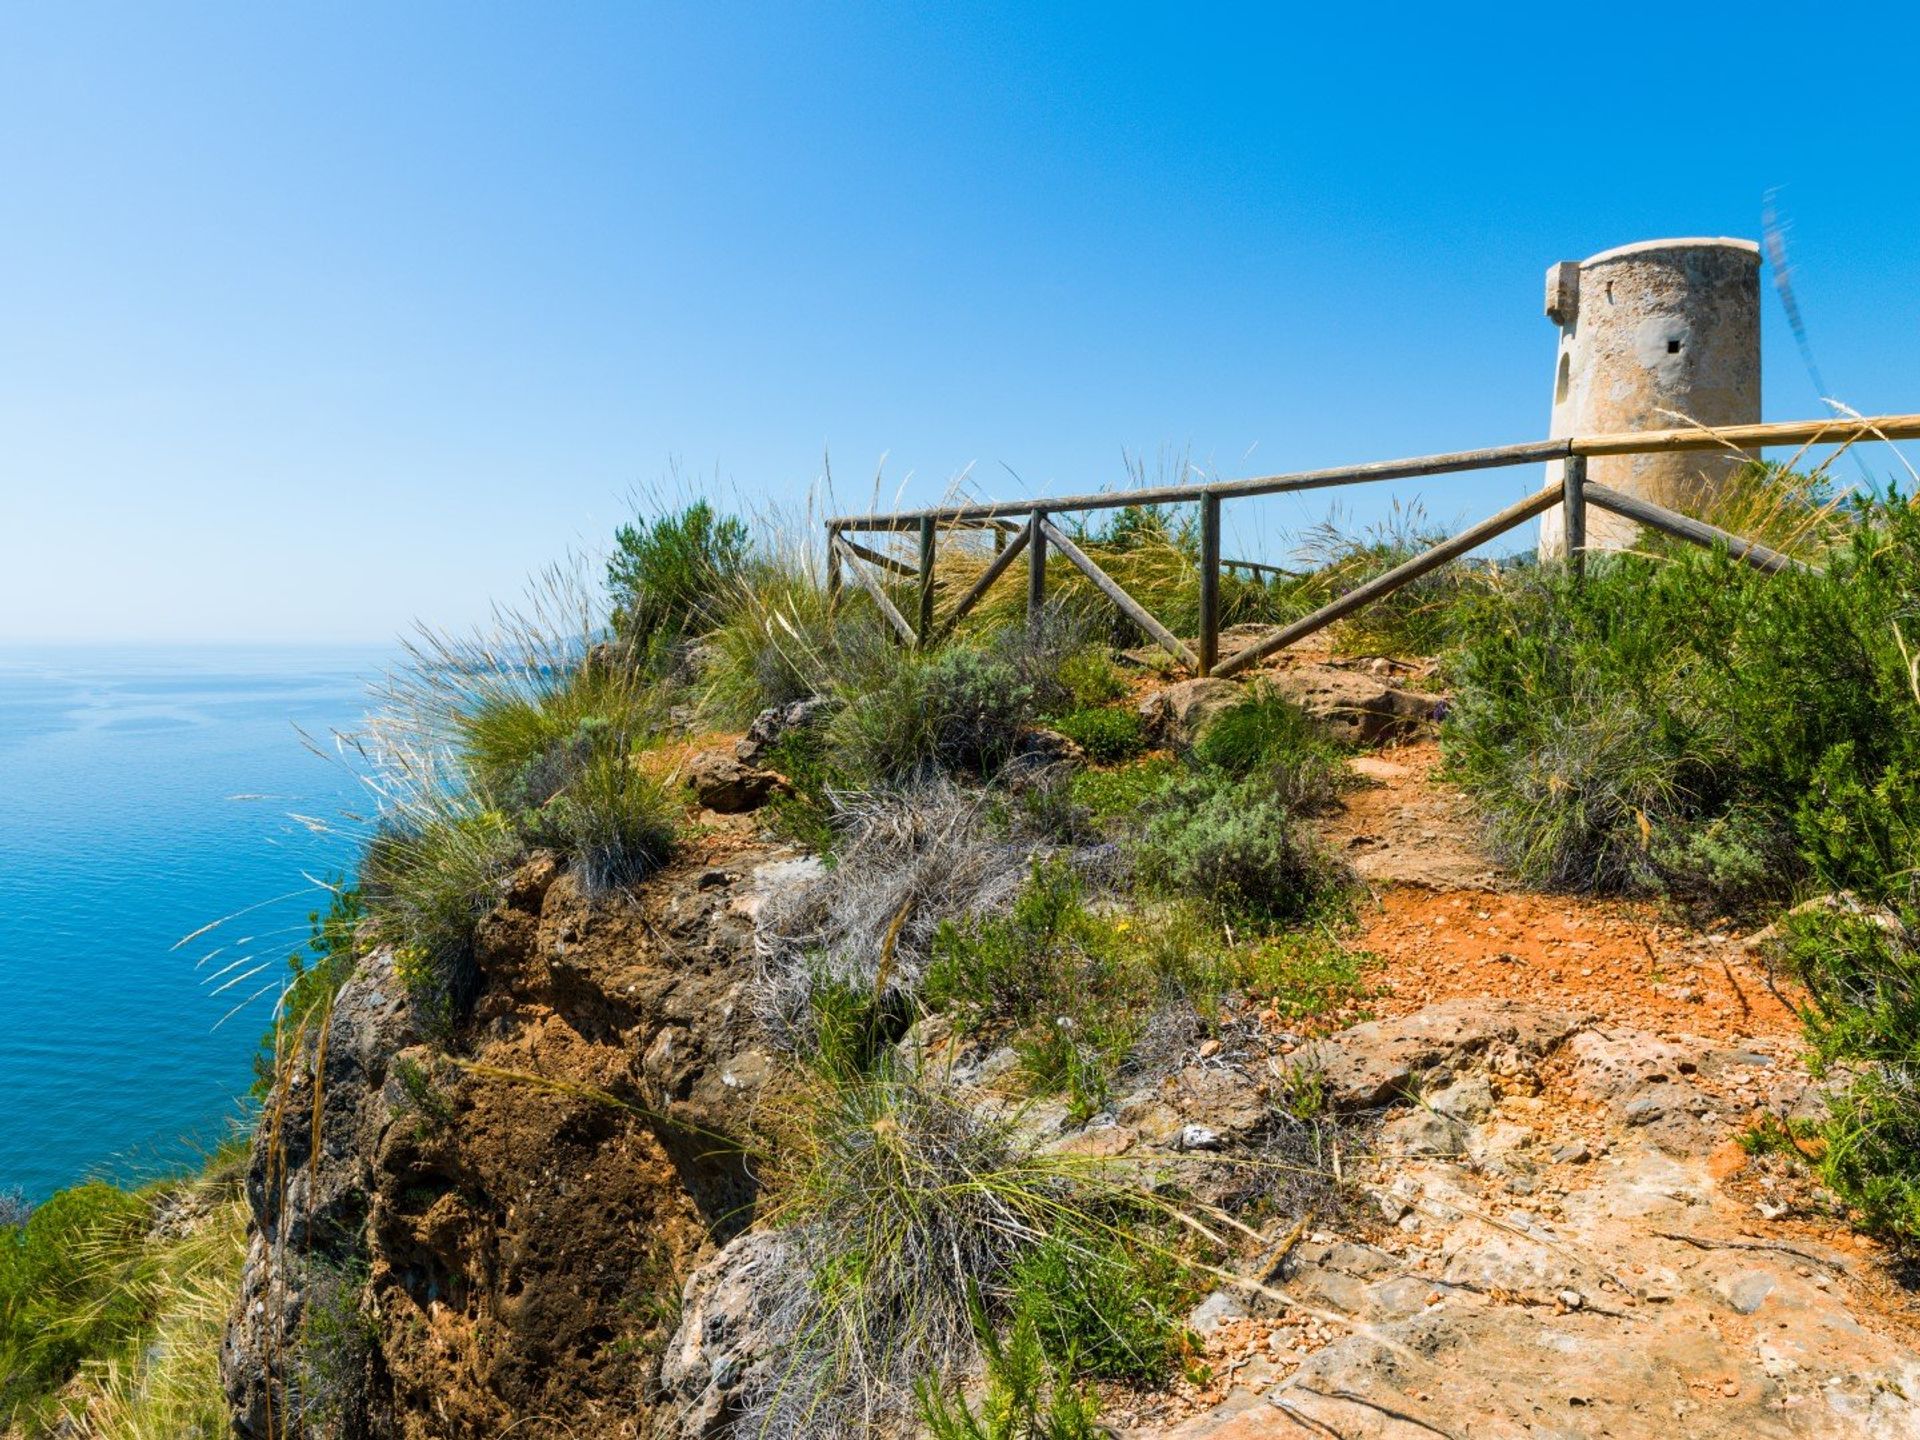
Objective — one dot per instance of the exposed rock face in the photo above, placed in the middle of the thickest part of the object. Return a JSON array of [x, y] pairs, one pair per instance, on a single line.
[[496, 1235], [775, 723], [726, 1341], [1385, 1060], [1535, 1284]]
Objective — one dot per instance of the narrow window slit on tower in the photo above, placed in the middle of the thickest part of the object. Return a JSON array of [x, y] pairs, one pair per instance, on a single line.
[[1673, 347]]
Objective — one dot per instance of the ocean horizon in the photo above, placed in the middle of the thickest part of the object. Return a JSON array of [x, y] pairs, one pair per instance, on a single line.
[[147, 791]]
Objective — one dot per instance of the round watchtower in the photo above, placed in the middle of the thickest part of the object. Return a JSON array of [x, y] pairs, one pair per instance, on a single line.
[[1653, 336]]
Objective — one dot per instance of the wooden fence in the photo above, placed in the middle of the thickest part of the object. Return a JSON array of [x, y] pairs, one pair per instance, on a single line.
[[1028, 526]]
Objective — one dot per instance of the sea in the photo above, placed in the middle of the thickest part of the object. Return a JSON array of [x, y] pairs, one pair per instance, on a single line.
[[147, 793]]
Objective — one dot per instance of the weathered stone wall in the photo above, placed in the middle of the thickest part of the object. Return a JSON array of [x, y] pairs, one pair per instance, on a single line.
[[1653, 336]]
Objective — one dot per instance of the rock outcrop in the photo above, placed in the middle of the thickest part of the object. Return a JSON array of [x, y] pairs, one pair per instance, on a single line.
[[496, 1228]]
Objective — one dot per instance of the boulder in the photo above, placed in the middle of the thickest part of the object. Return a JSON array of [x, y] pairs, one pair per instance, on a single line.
[[1357, 707], [723, 782], [1178, 715]]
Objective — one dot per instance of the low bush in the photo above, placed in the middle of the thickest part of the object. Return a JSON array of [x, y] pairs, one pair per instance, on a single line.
[[522, 744], [1861, 973], [1112, 1307], [1121, 793], [1265, 733], [1061, 978], [1108, 736], [1682, 723], [909, 1214], [615, 822], [71, 1289], [1235, 845], [1028, 1395], [961, 710], [906, 861], [427, 878], [110, 1329], [1306, 974]]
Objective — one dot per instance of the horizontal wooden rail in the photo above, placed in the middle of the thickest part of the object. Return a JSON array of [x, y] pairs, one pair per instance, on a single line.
[[874, 557], [1528, 454], [1687, 528], [1751, 437], [1110, 587], [1402, 574], [1639, 442]]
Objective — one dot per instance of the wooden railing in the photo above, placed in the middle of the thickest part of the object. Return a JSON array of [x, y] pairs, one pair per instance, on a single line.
[[1039, 533]]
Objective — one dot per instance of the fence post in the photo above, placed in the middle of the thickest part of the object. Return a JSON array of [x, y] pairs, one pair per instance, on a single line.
[[924, 624], [833, 567], [1036, 566], [1209, 648], [1573, 472]]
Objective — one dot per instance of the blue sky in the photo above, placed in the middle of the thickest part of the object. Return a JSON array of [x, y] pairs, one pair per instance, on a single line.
[[315, 319]]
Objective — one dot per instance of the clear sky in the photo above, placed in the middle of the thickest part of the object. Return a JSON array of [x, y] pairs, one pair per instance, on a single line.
[[316, 318]]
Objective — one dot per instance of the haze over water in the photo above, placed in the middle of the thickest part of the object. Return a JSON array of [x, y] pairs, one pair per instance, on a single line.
[[143, 793]]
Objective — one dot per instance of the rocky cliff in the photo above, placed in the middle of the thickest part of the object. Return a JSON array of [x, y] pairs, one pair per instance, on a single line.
[[453, 1239]]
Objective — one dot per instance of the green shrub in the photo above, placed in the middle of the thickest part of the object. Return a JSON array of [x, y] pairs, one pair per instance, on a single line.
[[804, 813], [1686, 724], [614, 821], [1304, 973], [779, 638], [1114, 794], [907, 1213], [960, 710], [427, 878], [1107, 736], [316, 976], [1113, 1307], [1090, 677], [1267, 734], [1861, 974], [68, 1289], [1059, 976], [665, 578], [1235, 845], [1028, 1396]]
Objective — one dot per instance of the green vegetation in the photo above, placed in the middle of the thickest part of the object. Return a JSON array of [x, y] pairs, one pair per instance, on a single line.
[[111, 1328], [665, 577], [1862, 1013], [1683, 724], [314, 978], [1108, 736], [1238, 847], [959, 710], [1028, 1396], [924, 1233]]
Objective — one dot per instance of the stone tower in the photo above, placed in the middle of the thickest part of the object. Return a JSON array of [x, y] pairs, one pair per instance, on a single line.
[[1652, 336]]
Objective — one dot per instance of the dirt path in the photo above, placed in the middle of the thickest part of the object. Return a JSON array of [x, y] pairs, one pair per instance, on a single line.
[[1449, 924], [1570, 1240]]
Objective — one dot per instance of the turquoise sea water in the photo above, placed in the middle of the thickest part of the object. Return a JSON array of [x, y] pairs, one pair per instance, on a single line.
[[143, 793]]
